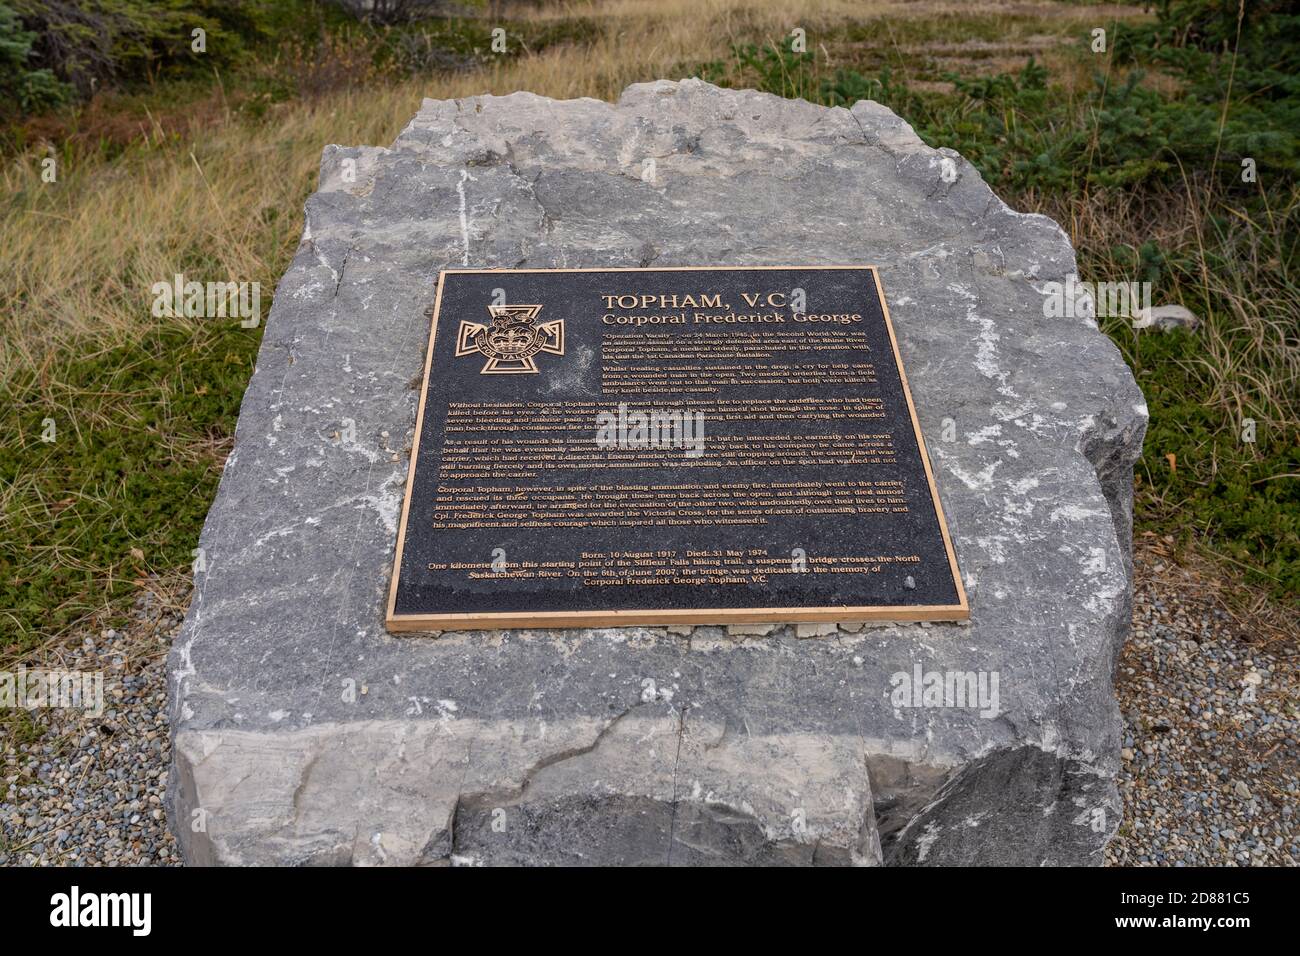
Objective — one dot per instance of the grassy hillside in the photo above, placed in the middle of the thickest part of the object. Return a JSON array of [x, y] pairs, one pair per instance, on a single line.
[[176, 162]]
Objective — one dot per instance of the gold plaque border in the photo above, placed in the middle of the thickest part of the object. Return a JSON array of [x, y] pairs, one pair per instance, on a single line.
[[651, 616]]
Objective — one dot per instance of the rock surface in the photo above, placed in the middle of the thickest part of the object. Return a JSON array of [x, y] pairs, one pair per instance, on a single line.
[[304, 733]]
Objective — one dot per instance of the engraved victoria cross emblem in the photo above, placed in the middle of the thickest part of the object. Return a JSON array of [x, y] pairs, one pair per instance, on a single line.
[[511, 341]]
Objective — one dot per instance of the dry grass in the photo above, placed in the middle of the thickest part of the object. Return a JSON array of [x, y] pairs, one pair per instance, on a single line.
[[80, 254], [784, 14], [1258, 617], [1250, 365]]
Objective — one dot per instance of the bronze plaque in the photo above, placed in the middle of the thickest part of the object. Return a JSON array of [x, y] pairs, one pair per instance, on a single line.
[[602, 447]]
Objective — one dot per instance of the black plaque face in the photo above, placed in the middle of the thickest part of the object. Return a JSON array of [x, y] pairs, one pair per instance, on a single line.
[[667, 446]]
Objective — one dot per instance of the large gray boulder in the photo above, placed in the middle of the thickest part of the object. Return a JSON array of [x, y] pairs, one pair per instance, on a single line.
[[304, 733]]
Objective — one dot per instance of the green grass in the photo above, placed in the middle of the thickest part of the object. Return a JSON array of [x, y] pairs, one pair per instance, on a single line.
[[123, 490]]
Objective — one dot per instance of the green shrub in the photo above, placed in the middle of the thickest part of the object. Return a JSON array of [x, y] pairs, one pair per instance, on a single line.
[[87, 44], [20, 84]]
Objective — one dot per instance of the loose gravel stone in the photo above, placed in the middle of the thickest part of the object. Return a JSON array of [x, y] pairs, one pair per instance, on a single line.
[[82, 793], [1211, 759]]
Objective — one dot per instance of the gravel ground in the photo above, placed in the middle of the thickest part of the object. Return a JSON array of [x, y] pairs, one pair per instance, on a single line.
[[1210, 775], [91, 791], [1209, 693]]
